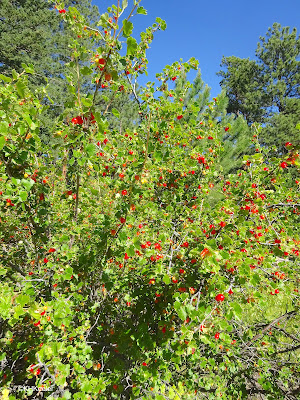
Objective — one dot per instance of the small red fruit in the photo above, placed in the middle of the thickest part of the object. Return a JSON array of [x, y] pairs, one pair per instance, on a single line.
[[220, 297], [77, 120], [283, 164], [217, 335]]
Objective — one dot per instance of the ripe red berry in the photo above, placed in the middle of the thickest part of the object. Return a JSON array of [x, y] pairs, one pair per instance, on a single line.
[[77, 120], [179, 117], [288, 144], [283, 164], [220, 297], [122, 220], [226, 128], [217, 335]]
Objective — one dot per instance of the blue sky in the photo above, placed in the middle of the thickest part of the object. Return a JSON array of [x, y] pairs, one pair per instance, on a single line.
[[207, 30]]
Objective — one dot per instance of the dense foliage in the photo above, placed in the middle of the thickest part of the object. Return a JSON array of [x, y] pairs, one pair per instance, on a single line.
[[132, 267]]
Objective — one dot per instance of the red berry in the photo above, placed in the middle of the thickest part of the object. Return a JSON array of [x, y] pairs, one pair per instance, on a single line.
[[122, 220], [283, 164], [220, 297], [77, 120], [179, 117], [226, 128], [217, 335]]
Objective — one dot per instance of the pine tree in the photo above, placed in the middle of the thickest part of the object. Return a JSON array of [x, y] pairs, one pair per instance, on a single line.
[[36, 35], [267, 90]]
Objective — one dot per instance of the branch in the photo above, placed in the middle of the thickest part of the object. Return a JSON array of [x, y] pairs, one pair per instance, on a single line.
[[284, 205], [287, 315]]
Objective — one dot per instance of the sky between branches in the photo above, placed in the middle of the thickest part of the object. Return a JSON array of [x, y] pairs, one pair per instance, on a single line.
[[207, 30]]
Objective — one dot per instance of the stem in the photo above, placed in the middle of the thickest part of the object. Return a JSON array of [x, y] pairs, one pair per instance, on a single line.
[[76, 208], [78, 82], [131, 12], [117, 18], [77, 198]]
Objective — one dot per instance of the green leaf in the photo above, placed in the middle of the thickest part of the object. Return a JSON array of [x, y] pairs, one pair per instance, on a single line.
[[68, 273], [141, 10], [20, 88], [5, 78], [166, 279], [162, 23], [86, 70], [237, 309], [90, 149], [94, 191], [2, 142], [182, 314], [131, 46], [23, 196], [131, 251], [28, 68], [127, 28], [3, 127], [86, 101], [23, 299], [29, 121], [115, 112]]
